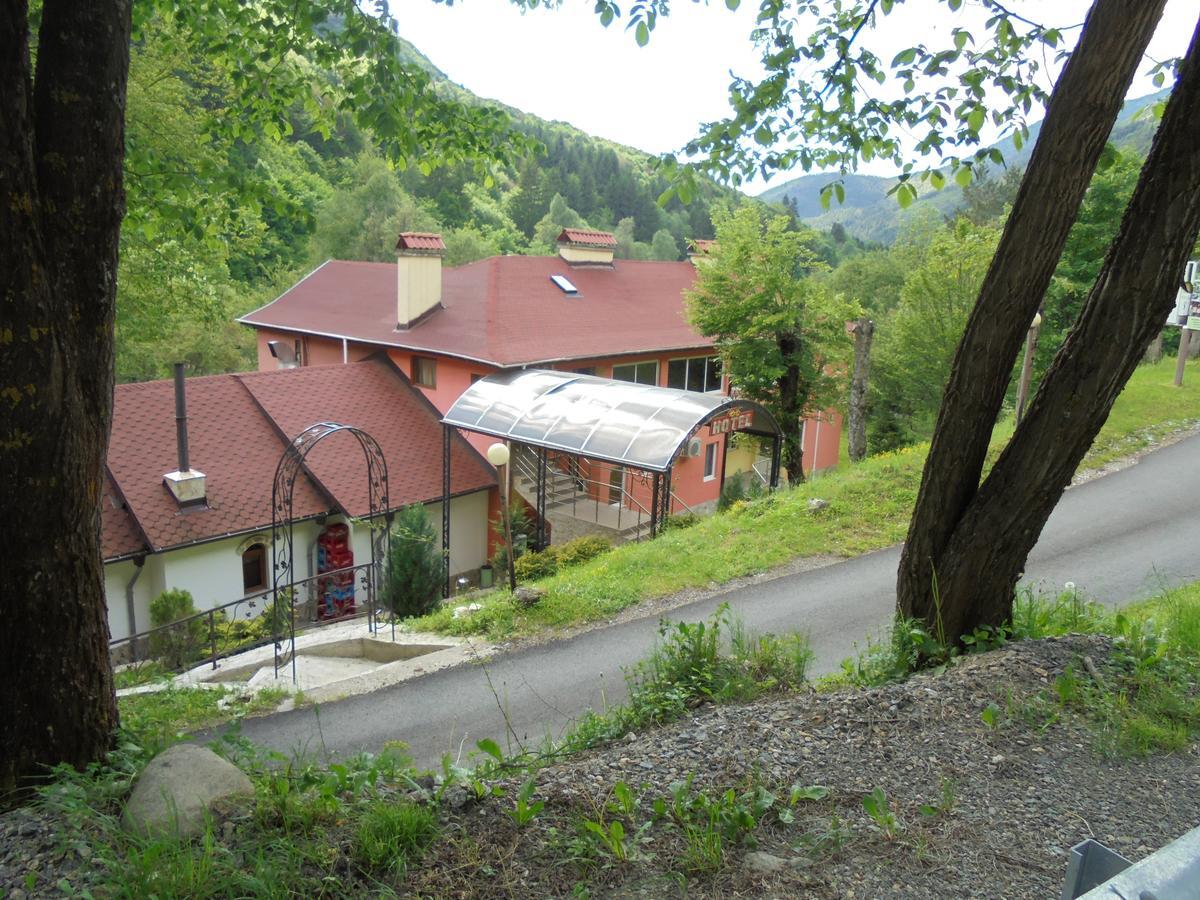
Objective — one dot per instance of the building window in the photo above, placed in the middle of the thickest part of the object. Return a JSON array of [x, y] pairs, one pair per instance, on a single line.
[[710, 461], [254, 568], [424, 371], [701, 374], [638, 373], [586, 370]]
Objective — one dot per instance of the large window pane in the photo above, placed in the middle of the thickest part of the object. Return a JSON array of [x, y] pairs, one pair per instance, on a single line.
[[712, 376], [695, 375], [677, 374]]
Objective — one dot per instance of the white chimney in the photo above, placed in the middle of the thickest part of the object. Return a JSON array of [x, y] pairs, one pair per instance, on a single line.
[[418, 276], [185, 484], [581, 247]]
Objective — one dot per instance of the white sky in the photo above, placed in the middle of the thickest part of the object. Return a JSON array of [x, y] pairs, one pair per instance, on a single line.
[[562, 65]]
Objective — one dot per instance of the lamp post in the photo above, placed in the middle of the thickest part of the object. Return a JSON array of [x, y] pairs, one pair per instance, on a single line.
[[497, 455]]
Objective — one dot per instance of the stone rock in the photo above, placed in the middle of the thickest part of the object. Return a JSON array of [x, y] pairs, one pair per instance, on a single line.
[[178, 788], [461, 612], [759, 863], [817, 503], [527, 596]]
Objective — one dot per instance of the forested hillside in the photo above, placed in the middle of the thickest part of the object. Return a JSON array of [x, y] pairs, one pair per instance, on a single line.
[[871, 214], [274, 205]]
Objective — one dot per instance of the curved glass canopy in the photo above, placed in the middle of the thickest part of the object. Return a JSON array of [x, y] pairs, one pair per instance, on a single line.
[[636, 425]]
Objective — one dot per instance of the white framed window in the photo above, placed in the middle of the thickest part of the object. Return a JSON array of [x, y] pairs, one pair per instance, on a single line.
[[700, 373], [710, 461], [638, 373], [424, 371]]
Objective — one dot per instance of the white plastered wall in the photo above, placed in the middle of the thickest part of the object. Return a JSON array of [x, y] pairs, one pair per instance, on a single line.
[[212, 572]]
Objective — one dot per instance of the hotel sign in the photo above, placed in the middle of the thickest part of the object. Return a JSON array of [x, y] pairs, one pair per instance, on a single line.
[[732, 421]]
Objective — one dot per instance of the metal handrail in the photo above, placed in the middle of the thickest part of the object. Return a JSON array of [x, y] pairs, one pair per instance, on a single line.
[[526, 467], [251, 600]]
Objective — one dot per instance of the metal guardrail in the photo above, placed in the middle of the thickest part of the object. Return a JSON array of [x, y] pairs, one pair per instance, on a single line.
[[200, 630], [1170, 873]]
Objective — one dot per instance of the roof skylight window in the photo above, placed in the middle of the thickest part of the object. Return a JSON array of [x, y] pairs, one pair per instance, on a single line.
[[564, 285]]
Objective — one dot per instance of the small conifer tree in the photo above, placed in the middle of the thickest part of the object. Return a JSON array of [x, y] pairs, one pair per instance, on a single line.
[[412, 583]]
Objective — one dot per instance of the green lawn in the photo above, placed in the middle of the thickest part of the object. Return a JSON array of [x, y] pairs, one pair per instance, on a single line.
[[869, 508]]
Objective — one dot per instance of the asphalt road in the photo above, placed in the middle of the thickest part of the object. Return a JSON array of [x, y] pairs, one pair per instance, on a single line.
[[1119, 538]]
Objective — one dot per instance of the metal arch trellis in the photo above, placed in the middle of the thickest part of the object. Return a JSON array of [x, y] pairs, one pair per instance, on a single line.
[[290, 466]]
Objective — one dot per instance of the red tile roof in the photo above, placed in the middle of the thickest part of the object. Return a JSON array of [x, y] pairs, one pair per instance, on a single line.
[[236, 428], [587, 237], [420, 240], [505, 310], [374, 396]]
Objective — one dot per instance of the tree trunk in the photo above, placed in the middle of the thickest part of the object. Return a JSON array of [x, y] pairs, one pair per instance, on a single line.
[[791, 407], [61, 204], [981, 562], [864, 332], [1079, 116]]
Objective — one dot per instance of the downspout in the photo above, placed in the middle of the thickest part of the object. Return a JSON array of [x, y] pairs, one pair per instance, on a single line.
[[130, 608], [345, 352]]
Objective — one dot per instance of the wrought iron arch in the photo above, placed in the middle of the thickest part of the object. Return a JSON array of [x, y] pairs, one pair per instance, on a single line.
[[291, 465]]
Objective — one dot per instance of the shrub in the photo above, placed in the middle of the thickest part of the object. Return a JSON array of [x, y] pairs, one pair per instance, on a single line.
[[413, 582], [582, 549], [532, 566], [733, 491], [178, 645], [680, 521]]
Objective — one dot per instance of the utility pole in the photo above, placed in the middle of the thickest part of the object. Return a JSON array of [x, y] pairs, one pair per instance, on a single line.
[[1027, 365], [1185, 338]]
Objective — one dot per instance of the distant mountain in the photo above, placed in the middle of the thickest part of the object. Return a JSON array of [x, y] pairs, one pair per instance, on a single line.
[[869, 213]]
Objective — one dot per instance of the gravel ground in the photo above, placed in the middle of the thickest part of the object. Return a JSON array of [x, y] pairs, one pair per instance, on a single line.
[[1023, 794], [1012, 798]]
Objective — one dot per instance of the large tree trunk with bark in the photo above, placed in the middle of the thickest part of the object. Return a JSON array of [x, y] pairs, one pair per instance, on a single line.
[[791, 409], [864, 332], [967, 544], [61, 204]]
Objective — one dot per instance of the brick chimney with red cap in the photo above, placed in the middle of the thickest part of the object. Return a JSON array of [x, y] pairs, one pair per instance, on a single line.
[[418, 276]]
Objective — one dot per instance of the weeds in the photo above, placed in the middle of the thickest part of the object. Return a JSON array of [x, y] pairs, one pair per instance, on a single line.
[[393, 833], [526, 811], [877, 807]]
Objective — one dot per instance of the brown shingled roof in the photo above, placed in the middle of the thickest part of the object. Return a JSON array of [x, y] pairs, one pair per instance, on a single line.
[[420, 240], [119, 534], [236, 431], [587, 237], [376, 397], [504, 310]]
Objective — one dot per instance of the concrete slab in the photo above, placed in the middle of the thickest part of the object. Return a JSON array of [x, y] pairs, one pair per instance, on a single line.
[[340, 660]]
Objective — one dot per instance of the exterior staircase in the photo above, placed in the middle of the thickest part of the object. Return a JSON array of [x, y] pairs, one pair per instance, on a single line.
[[573, 504]]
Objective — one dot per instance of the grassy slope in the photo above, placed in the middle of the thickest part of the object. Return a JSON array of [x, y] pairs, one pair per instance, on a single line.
[[869, 508]]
